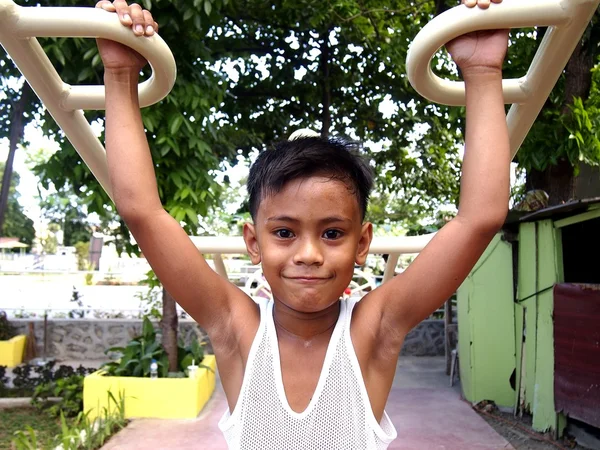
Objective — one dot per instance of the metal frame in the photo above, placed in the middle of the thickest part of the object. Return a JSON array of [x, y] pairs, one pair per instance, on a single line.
[[566, 19], [19, 27], [392, 246]]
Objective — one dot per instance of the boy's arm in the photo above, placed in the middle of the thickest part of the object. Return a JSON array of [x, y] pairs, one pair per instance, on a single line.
[[178, 264], [442, 266]]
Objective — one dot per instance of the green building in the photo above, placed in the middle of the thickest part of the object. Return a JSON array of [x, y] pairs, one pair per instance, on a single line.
[[529, 317]]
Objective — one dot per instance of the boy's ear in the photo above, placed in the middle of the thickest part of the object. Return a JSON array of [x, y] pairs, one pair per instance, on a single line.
[[251, 243], [366, 236]]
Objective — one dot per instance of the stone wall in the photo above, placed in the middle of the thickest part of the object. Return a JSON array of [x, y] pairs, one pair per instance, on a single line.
[[426, 339], [86, 339]]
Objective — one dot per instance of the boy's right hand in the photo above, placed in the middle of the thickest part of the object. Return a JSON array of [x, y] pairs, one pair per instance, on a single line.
[[119, 57]]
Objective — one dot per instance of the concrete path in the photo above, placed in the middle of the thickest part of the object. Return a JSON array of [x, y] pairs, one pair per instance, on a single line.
[[425, 410]]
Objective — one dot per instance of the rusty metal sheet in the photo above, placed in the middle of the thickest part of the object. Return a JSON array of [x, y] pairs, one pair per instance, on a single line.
[[577, 351]]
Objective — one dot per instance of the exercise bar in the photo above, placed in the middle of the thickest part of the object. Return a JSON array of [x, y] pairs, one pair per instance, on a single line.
[[566, 21], [19, 28]]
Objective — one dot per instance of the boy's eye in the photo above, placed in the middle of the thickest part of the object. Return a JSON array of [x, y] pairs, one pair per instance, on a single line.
[[332, 234], [284, 234]]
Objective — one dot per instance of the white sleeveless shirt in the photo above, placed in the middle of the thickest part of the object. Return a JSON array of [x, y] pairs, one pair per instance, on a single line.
[[339, 415]]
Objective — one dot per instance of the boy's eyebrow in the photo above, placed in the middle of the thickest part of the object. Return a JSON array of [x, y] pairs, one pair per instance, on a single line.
[[294, 220]]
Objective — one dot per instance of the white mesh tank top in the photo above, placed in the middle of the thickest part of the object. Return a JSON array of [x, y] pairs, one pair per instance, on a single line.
[[339, 416]]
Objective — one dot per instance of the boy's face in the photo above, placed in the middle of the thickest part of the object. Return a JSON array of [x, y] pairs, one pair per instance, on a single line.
[[308, 238]]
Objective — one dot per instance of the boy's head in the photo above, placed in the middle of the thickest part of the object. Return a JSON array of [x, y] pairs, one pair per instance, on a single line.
[[305, 157], [308, 198]]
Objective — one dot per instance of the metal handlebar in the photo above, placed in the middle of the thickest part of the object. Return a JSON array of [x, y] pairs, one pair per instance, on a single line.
[[19, 27], [566, 19]]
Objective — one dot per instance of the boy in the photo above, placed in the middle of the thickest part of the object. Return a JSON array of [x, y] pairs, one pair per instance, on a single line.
[[307, 370]]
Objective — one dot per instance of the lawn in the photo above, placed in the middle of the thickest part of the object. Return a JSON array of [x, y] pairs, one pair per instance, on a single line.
[[16, 419]]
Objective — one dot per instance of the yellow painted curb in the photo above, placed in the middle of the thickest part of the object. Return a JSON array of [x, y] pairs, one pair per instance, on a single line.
[[161, 398], [11, 351]]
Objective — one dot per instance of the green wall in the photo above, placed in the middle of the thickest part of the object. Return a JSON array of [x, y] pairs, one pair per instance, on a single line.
[[540, 268], [486, 318]]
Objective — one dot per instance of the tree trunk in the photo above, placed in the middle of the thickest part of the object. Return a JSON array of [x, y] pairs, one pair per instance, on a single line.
[[168, 325], [17, 127], [559, 181]]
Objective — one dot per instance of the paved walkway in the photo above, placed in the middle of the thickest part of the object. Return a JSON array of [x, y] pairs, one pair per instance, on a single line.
[[425, 410]]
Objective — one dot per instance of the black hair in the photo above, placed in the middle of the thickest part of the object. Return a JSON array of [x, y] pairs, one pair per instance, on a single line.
[[304, 157]]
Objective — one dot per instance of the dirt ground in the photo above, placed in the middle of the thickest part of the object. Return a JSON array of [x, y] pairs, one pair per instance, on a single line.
[[519, 433]]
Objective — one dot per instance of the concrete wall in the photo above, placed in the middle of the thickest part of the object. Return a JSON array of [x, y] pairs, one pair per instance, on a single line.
[[84, 339]]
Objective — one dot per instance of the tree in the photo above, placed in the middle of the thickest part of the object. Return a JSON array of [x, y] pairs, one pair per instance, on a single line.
[[331, 66], [563, 139], [16, 223], [67, 212], [249, 75], [183, 141], [13, 115]]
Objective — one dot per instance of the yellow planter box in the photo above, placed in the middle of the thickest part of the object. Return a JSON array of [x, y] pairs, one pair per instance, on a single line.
[[11, 351], [162, 398]]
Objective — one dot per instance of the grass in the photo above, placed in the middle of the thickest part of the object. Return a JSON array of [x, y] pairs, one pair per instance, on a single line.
[[16, 419]]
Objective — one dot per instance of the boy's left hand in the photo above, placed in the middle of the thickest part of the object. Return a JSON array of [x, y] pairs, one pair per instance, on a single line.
[[479, 51]]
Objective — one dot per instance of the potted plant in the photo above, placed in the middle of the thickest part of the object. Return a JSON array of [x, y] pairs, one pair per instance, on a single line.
[[166, 395], [12, 345]]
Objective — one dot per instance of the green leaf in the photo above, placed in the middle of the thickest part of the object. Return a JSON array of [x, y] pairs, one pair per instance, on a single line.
[[59, 55], [176, 177], [207, 7], [192, 215], [188, 14], [148, 332], [175, 124]]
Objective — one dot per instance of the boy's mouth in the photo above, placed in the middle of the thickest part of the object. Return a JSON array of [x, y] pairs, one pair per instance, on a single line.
[[308, 279]]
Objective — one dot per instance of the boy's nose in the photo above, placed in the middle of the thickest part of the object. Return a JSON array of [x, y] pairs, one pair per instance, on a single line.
[[309, 253]]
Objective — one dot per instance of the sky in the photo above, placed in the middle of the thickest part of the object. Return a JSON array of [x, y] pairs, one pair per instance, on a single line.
[[28, 186]]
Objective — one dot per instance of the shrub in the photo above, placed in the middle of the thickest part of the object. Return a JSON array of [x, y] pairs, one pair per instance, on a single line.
[[7, 331], [137, 356], [70, 392], [28, 377]]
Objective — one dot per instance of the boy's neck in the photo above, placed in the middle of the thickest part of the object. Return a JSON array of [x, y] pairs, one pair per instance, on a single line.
[[304, 326]]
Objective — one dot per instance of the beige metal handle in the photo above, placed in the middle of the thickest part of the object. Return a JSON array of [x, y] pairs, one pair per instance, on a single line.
[[19, 27], [566, 19]]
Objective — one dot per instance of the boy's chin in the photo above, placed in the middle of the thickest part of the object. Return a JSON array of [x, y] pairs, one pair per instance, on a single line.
[[310, 304]]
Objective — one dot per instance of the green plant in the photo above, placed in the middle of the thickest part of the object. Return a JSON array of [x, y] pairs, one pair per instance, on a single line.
[[7, 331], [150, 301], [3, 381], [28, 377], [23, 314], [140, 351], [81, 433], [192, 354], [26, 440], [70, 392], [82, 251], [109, 277], [138, 354], [80, 312]]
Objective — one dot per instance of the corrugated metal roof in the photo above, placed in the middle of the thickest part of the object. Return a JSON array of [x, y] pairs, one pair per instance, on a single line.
[[561, 211]]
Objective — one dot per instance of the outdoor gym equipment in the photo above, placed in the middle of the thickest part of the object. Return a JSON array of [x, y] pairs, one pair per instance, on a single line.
[[566, 21], [19, 27]]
